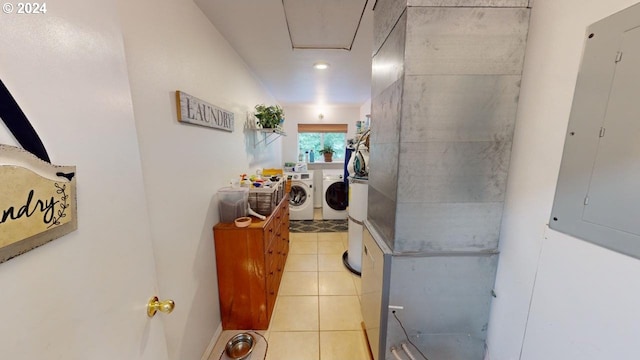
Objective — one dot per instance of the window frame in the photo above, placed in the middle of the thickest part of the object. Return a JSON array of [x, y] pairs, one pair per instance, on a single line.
[[323, 129]]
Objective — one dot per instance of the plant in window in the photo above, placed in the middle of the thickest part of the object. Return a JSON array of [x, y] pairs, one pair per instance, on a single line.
[[269, 116], [327, 151]]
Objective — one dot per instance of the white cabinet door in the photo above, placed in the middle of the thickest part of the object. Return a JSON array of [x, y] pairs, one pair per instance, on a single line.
[[82, 296]]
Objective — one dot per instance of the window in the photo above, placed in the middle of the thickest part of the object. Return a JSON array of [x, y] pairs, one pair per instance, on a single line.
[[316, 136]]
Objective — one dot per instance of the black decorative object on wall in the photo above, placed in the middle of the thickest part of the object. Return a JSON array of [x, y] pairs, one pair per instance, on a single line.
[[19, 125]]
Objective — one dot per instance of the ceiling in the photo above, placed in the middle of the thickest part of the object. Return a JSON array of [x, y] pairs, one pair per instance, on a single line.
[[280, 40]]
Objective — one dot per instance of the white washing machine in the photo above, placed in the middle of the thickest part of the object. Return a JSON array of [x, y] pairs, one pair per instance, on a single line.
[[300, 196], [334, 193]]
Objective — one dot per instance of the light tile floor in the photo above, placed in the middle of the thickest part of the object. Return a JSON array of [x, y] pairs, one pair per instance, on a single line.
[[318, 307], [317, 314]]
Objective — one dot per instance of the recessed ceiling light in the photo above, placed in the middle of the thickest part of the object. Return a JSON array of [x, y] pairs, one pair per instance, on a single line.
[[320, 65]]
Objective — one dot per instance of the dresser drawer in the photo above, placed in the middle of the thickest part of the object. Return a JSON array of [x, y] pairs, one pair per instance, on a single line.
[[250, 262]]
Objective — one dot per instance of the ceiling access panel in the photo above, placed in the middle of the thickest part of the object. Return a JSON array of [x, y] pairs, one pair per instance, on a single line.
[[323, 24]]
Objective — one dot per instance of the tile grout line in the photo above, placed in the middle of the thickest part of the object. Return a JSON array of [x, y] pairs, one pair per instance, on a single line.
[[330, 270], [318, 285]]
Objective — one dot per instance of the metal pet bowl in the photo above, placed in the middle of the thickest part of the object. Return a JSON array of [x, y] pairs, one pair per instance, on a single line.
[[240, 346]]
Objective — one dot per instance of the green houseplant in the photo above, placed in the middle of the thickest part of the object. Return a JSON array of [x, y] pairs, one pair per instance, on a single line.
[[269, 117], [327, 151]]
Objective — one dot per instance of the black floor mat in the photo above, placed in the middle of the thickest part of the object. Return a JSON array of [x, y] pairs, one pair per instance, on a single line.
[[302, 226]]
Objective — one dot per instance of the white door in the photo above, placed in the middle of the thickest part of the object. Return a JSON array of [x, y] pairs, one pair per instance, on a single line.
[[82, 296]]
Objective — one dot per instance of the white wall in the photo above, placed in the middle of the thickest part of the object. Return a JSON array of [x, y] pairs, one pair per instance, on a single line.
[[365, 109], [170, 45], [579, 299]]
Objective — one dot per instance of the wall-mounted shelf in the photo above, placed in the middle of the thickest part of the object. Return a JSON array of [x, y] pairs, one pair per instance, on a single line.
[[269, 136]]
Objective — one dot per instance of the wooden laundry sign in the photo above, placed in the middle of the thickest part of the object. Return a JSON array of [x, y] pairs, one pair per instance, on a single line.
[[37, 201], [198, 112]]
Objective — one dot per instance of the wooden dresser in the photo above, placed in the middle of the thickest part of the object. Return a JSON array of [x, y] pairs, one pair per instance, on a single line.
[[250, 262]]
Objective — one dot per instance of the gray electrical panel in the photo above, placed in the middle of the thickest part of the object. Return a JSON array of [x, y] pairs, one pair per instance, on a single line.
[[598, 193]]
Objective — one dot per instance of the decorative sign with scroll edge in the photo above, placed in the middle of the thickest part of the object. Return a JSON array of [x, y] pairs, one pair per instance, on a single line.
[[37, 201], [198, 112]]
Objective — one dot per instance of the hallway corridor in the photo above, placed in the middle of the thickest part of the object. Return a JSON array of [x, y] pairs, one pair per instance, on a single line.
[[317, 312]]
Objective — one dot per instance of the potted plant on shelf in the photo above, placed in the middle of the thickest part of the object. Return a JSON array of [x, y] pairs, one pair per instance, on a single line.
[[327, 151], [269, 117]]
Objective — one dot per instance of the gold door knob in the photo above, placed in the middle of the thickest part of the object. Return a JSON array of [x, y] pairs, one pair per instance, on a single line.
[[155, 305]]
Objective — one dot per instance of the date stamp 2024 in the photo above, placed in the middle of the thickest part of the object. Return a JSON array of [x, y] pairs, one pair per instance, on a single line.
[[24, 8]]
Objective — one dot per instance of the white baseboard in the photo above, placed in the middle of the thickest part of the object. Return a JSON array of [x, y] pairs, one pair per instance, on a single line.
[[212, 343]]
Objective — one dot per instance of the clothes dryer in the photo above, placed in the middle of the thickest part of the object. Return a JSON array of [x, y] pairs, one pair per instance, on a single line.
[[334, 192], [300, 196]]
